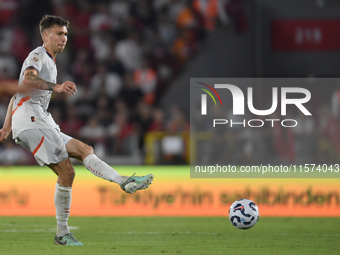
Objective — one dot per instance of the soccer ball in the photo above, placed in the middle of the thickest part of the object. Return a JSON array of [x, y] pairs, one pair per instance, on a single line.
[[244, 213]]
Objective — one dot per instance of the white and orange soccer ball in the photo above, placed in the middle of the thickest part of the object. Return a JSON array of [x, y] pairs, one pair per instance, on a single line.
[[244, 213]]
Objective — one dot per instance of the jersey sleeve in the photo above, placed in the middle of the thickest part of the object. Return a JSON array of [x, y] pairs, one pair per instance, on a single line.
[[34, 61]]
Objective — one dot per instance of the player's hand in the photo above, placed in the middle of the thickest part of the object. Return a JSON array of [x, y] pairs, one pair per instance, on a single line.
[[3, 135], [68, 87]]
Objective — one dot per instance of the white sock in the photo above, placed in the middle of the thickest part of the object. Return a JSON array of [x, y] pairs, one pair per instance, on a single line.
[[62, 201], [102, 170]]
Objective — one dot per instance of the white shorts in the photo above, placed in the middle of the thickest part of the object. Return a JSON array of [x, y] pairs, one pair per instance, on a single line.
[[46, 145]]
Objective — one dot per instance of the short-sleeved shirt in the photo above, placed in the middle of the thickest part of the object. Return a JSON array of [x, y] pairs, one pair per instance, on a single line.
[[30, 108]]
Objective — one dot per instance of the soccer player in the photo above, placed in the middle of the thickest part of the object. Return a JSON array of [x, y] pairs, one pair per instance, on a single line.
[[34, 128]]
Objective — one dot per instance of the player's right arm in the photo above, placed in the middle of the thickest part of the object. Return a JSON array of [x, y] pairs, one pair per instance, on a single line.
[[10, 87], [7, 128], [32, 80]]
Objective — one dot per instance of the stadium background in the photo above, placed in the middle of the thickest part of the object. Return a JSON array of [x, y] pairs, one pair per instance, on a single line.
[[132, 60]]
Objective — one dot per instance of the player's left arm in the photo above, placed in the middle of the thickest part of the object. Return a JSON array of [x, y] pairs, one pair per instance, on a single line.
[[32, 80], [7, 128]]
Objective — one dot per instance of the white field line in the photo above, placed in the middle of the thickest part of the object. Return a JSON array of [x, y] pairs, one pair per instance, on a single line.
[[211, 233], [35, 230]]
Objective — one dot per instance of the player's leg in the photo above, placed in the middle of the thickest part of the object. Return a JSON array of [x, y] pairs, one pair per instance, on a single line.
[[83, 152], [65, 172], [62, 201], [48, 149]]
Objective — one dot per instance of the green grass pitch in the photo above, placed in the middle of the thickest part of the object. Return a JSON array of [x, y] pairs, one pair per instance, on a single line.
[[172, 235]]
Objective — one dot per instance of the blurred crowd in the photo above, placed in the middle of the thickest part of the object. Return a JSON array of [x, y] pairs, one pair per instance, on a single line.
[[122, 55]]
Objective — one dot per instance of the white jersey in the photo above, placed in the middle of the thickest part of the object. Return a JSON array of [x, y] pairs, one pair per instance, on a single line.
[[30, 108]]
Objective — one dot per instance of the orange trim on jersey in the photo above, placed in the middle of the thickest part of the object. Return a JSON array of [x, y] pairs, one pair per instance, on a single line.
[[20, 103], [39, 145]]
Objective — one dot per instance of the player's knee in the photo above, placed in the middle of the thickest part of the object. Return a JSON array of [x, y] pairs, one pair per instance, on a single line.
[[89, 149], [70, 173], [86, 150], [65, 173]]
